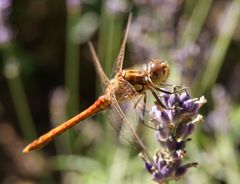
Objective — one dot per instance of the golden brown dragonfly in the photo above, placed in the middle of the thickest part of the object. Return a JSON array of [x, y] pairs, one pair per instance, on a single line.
[[126, 85]]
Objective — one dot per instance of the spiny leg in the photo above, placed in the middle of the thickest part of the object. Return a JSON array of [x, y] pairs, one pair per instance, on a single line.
[[137, 102], [143, 111], [171, 85], [175, 89], [164, 91], [158, 100]]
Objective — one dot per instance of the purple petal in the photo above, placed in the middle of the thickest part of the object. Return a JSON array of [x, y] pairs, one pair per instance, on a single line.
[[190, 106], [184, 97], [171, 144], [190, 129], [166, 171], [163, 134], [148, 167], [173, 100], [181, 131]]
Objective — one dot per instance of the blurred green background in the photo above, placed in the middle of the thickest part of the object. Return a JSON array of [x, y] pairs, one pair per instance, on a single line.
[[47, 76]]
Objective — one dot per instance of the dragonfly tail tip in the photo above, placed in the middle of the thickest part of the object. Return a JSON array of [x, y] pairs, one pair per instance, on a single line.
[[26, 150]]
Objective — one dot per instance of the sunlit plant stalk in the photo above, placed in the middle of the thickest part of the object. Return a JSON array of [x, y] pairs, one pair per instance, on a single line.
[[12, 73], [192, 30], [195, 23], [72, 61], [110, 35], [72, 58], [229, 22]]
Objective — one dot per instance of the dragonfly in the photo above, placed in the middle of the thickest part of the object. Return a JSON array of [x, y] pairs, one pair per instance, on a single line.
[[127, 84]]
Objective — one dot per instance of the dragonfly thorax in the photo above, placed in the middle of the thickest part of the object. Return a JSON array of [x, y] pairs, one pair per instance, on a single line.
[[158, 71]]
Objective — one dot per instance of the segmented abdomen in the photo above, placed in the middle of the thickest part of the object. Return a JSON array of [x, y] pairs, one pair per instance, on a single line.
[[100, 104]]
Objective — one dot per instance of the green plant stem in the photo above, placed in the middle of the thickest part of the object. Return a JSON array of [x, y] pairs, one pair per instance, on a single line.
[[71, 78], [193, 27], [109, 39], [229, 24], [109, 43], [72, 66], [18, 94], [195, 24]]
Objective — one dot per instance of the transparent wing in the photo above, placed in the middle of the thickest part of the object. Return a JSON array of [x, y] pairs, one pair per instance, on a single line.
[[120, 58], [124, 126], [121, 129], [122, 117], [103, 78]]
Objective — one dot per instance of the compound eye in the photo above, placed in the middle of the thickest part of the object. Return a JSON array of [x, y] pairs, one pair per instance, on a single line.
[[159, 71], [155, 68], [164, 69]]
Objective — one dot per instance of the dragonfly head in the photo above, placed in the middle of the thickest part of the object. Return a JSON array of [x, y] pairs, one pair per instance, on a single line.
[[158, 71]]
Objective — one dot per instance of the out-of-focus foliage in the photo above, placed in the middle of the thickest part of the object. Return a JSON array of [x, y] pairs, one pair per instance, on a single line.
[[47, 76]]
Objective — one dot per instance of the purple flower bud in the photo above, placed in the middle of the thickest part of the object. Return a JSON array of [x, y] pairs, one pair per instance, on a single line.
[[161, 118], [165, 119], [165, 98], [190, 129], [163, 172], [149, 167], [166, 171], [183, 169], [171, 144], [181, 131], [173, 126], [173, 100], [190, 106], [184, 97], [180, 145], [188, 109], [163, 134], [193, 105]]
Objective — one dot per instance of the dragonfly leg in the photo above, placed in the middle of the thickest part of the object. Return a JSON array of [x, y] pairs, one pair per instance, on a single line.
[[164, 90], [143, 110], [158, 100], [137, 102], [172, 85], [148, 125], [175, 89], [143, 107], [143, 113]]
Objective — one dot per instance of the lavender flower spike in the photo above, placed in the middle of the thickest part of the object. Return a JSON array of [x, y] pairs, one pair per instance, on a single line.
[[5, 31], [174, 126]]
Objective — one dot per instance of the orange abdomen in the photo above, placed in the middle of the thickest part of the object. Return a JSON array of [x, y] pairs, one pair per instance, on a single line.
[[99, 105]]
